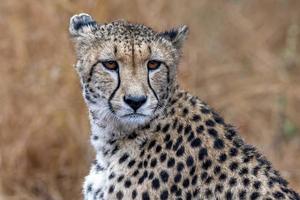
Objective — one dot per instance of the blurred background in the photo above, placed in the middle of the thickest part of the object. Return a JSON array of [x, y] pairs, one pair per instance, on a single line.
[[242, 57]]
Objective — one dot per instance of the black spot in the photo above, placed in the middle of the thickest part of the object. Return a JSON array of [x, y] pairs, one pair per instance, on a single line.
[[121, 177], [218, 144], [177, 178], [191, 136], [151, 175], [169, 144], [131, 163], [202, 153], [185, 111], [246, 182], [151, 144], [188, 196], [158, 128], [111, 189], [153, 162], [166, 128], [232, 182], [204, 175], [177, 143], [242, 194], [164, 176], [164, 195], [208, 193], [217, 169], [171, 162], [228, 195], [167, 138], [230, 133], [143, 177], [196, 143], [210, 123], [254, 195], [205, 110], [134, 194], [222, 158], [233, 152], [192, 170], [222, 177], [244, 171], [180, 166], [186, 183], [180, 128], [219, 188], [119, 195], [155, 183], [212, 132], [187, 129], [209, 179], [132, 136], [163, 157], [112, 175], [175, 123], [189, 161], [127, 183], [123, 158], [200, 129], [196, 118], [95, 137], [140, 165], [135, 173], [257, 185], [206, 164], [158, 148], [255, 170], [194, 179], [174, 188], [218, 119], [145, 196], [180, 151], [145, 163], [233, 166], [278, 195]]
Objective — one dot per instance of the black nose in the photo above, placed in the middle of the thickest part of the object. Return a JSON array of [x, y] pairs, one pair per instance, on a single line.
[[135, 102]]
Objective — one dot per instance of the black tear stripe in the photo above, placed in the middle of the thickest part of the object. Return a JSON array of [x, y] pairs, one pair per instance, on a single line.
[[168, 74], [89, 78], [114, 92], [168, 80]]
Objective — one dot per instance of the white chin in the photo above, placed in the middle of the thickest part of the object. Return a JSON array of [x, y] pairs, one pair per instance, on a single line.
[[135, 119]]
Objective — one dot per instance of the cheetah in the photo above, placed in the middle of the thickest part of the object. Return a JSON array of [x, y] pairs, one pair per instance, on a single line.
[[152, 139]]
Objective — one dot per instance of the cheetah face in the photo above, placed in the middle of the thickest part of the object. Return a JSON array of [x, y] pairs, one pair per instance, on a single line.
[[127, 70]]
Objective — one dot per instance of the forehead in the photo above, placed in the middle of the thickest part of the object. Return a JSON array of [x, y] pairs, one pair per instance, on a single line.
[[122, 31], [126, 36]]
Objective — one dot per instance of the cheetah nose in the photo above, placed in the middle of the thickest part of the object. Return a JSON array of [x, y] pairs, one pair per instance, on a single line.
[[135, 102]]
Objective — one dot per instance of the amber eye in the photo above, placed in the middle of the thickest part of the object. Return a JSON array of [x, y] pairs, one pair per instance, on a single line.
[[111, 65], [153, 64]]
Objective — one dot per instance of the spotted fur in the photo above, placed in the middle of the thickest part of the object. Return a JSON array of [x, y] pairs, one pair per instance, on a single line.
[[178, 147]]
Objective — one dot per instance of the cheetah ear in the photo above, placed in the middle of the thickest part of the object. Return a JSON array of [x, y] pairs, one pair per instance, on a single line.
[[176, 35], [82, 25]]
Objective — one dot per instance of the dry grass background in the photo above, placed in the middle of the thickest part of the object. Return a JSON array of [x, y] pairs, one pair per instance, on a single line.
[[241, 57]]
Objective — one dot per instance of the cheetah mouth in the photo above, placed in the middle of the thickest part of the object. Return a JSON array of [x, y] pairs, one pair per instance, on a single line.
[[134, 115]]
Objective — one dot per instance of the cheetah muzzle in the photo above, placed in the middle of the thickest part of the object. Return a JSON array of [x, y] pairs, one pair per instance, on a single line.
[[152, 139]]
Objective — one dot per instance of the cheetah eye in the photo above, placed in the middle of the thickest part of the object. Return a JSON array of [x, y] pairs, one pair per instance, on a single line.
[[110, 65], [153, 64]]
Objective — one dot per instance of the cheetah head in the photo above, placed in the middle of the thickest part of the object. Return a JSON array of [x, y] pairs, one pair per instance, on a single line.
[[127, 71]]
